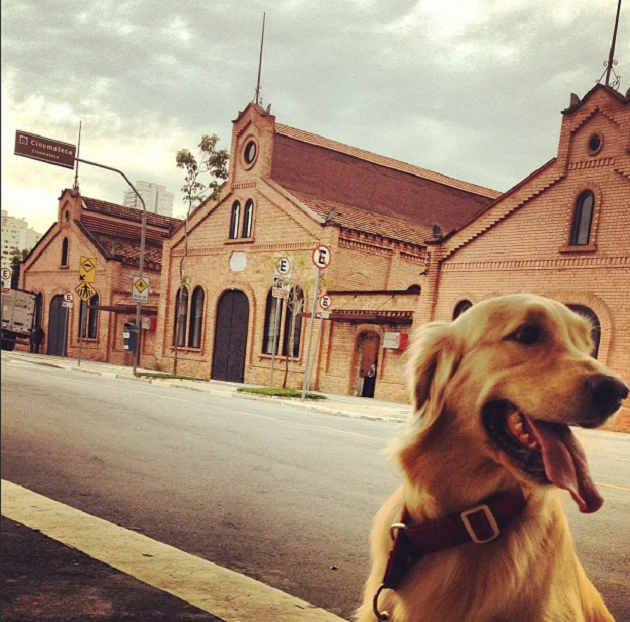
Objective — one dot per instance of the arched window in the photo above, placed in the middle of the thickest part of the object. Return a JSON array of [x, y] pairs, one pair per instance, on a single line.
[[582, 220], [248, 218], [181, 316], [273, 319], [235, 220], [64, 252], [196, 318], [461, 307], [293, 323], [88, 319], [596, 327]]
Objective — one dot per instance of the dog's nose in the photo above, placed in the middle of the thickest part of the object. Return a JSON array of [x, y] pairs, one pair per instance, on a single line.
[[607, 392]]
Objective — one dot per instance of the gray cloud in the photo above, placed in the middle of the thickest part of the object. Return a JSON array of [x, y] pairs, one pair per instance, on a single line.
[[471, 89]]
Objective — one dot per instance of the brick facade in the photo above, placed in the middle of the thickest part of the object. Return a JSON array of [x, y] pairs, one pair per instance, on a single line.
[[110, 234], [391, 269], [522, 243], [301, 188]]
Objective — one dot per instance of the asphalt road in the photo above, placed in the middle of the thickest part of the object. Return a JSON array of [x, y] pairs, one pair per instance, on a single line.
[[284, 496]]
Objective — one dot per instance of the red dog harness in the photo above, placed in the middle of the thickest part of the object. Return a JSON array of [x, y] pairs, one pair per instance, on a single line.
[[479, 524]]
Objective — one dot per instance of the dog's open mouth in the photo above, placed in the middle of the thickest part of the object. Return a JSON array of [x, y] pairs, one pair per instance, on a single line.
[[546, 452]]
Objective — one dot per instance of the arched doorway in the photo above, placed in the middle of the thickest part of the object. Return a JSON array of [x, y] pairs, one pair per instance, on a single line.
[[367, 355], [57, 327], [230, 338]]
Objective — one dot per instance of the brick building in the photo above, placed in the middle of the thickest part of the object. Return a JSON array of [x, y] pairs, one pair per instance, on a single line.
[[110, 234], [563, 232], [289, 191]]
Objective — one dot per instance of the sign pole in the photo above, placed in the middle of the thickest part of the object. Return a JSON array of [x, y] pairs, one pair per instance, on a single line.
[[143, 236], [274, 338], [81, 328], [65, 332], [310, 335], [319, 338]]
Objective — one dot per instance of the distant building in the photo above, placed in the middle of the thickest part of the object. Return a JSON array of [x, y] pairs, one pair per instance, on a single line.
[[110, 235], [16, 236], [156, 199]]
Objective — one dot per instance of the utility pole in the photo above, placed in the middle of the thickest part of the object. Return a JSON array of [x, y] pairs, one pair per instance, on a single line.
[[143, 237]]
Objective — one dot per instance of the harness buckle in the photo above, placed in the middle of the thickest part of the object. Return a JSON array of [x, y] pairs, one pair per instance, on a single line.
[[477, 512]]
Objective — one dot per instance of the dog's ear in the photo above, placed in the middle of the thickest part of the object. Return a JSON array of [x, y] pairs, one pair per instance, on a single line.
[[434, 357]]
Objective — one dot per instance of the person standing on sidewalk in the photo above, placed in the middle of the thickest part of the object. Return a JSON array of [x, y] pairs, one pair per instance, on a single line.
[[36, 338]]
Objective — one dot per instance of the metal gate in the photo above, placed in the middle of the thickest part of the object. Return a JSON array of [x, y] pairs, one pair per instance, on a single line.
[[230, 339], [57, 327]]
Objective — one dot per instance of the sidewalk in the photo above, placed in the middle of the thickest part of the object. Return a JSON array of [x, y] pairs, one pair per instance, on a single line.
[[340, 405], [45, 580]]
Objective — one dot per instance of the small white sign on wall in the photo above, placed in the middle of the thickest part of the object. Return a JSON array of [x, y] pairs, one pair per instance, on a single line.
[[238, 261]]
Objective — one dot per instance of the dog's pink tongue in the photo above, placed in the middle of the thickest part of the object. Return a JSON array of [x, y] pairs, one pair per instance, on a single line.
[[565, 464]]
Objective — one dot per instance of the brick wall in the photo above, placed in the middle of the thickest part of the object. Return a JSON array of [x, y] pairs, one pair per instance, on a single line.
[[522, 242]]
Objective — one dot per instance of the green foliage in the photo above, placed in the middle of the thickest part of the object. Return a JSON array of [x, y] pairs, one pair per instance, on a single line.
[[210, 160], [277, 392], [16, 260]]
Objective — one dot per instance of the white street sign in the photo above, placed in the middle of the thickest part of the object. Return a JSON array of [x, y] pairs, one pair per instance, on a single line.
[[321, 257], [68, 297], [6, 273], [325, 302], [282, 267]]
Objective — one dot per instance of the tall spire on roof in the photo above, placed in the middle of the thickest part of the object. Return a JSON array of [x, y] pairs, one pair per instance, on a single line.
[[611, 62], [262, 39]]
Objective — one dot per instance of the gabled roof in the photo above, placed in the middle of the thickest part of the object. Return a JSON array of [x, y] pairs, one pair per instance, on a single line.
[[318, 167], [577, 103], [132, 214], [118, 235], [365, 221], [417, 171]]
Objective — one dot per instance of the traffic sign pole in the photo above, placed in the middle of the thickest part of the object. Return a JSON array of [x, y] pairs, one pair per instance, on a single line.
[[143, 237], [310, 335], [82, 314]]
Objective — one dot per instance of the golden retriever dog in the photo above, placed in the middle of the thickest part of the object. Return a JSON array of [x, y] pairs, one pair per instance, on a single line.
[[476, 531]]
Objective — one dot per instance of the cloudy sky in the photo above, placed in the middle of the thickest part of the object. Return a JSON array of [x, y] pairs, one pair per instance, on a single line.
[[470, 88]]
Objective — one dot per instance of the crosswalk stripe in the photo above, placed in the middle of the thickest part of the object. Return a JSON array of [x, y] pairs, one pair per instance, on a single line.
[[211, 588]]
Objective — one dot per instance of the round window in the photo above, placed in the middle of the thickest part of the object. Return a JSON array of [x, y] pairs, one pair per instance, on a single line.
[[250, 152], [595, 143]]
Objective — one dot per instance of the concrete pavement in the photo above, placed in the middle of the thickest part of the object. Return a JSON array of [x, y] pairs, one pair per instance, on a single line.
[[340, 405], [48, 577]]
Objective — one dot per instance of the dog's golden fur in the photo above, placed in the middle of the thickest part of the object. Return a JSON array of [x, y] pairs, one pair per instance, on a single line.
[[534, 354]]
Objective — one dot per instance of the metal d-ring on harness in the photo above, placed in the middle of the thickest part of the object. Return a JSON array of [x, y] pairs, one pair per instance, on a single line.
[[393, 572], [480, 524]]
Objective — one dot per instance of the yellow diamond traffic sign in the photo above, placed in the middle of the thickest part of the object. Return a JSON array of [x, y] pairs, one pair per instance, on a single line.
[[85, 291], [140, 290], [87, 269], [141, 285]]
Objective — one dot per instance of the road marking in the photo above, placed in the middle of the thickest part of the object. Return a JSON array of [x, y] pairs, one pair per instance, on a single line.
[[321, 427], [613, 486], [231, 596]]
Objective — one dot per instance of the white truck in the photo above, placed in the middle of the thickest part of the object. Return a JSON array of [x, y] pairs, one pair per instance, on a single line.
[[18, 312]]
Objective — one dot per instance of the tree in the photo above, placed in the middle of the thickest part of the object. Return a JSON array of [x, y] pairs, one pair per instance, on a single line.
[[17, 259], [211, 161]]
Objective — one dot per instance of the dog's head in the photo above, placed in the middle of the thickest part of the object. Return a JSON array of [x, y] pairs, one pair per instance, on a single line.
[[511, 375]]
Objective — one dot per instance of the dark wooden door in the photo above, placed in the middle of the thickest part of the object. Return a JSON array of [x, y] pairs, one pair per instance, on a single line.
[[57, 327], [369, 345], [230, 339]]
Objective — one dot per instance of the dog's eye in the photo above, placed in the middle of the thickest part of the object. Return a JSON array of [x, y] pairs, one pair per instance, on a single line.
[[528, 334]]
